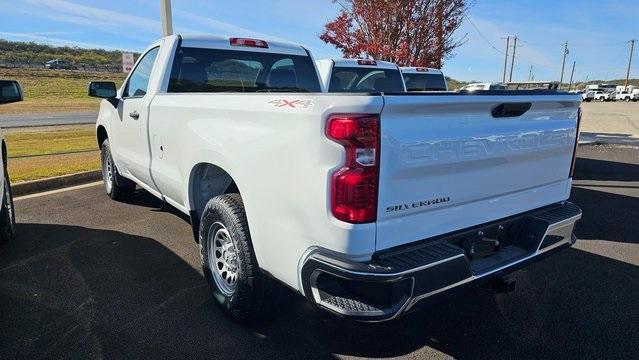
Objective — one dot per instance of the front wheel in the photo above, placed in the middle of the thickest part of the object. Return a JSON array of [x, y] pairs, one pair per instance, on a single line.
[[7, 214], [228, 260], [602, 99], [116, 186]]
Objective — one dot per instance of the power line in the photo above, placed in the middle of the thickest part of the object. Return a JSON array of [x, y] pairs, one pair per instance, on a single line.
[[482, 35]]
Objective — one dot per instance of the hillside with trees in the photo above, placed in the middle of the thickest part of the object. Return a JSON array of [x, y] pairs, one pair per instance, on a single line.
[[14, 53]]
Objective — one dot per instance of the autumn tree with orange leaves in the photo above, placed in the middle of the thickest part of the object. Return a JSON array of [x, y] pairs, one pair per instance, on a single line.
[[407, 32]]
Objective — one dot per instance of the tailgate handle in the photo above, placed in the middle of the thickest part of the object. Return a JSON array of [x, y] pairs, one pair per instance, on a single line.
[[511, 109]]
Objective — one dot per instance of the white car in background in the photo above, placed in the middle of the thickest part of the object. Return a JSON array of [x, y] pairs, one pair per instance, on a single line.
[[10, 91], [424, 79], [602, 95], [587, 95]]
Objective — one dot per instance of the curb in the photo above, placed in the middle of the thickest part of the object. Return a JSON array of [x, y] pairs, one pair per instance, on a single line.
[[57, 182]]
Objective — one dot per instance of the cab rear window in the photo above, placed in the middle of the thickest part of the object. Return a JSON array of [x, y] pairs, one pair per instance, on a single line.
[[365, 79], [211, 70]]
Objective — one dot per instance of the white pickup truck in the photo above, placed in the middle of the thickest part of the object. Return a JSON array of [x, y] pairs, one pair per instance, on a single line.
[[603, 95], [627, 96], [367, 203]]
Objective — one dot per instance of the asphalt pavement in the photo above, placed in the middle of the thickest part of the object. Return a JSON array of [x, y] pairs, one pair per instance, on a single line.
[[47, 119], [88, 277], [610, 122]]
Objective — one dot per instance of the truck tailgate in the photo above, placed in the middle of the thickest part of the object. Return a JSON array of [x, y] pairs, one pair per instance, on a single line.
[[448, 163]]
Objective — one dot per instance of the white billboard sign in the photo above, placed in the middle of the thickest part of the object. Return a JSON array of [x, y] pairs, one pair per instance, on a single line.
[[127, 62]]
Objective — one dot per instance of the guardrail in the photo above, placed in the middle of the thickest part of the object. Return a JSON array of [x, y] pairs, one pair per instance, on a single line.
[[51, 154], [110, 68]]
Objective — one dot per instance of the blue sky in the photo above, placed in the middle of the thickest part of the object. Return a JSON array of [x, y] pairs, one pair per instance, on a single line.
[[597, 31]]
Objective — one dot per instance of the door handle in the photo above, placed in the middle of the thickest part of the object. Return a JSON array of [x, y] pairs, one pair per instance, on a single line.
[[134, 115]]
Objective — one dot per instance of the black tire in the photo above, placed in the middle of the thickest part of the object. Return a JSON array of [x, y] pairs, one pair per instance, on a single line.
[[241, 298], [116, 186], [7, 213]]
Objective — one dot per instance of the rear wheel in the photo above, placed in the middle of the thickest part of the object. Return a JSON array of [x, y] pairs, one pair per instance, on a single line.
[[7, 214], [627, 99], [228, 261], [602, 99], [116, 186]]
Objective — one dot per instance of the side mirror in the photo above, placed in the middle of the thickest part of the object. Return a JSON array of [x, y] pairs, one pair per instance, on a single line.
[[102, 89], [10, 91]]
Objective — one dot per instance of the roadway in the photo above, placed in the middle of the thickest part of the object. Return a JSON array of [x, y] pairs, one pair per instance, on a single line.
[[47, 119], [88, 277]]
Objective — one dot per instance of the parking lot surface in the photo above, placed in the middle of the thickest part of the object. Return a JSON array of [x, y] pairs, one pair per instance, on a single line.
[[88, 277], [610, 122]]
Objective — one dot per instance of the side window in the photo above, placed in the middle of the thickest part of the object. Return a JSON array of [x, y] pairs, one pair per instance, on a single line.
[[139, 80]]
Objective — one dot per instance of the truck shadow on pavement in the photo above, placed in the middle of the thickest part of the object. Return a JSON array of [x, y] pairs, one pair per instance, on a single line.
[[610, 208], [72, 291], [605, 170]]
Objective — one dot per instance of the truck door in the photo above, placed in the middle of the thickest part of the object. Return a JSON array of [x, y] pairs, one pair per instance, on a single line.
[[131, 143]]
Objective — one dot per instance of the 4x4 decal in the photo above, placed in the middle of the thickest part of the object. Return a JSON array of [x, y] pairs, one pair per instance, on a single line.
[[292, 103]]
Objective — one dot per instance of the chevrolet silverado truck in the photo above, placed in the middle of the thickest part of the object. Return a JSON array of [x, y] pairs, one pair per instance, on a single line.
[[368, 203], [10, 92]]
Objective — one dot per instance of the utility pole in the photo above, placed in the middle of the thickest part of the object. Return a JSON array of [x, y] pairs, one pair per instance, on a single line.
[[530, 73], [563, 63], [512, 63], [632, 48], [571, 75], [503, 80], [167, 18]]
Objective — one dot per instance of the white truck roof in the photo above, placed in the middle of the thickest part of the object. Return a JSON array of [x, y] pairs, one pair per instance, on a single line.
[[339, 62], [224, 43], [419, 70]]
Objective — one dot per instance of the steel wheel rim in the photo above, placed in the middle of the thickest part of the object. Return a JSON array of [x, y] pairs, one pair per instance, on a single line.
[[107, 172], [223, 259]]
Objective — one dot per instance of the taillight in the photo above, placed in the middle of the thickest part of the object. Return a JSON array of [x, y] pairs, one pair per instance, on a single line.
[[574, 151], [354, 186], [248, 42], [366, 62], [421, 69]]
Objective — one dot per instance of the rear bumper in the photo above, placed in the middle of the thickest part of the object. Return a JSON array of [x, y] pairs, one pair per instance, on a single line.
[[403, 279]]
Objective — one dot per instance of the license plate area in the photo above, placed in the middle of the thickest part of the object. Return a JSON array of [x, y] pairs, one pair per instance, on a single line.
[[487, 241]]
